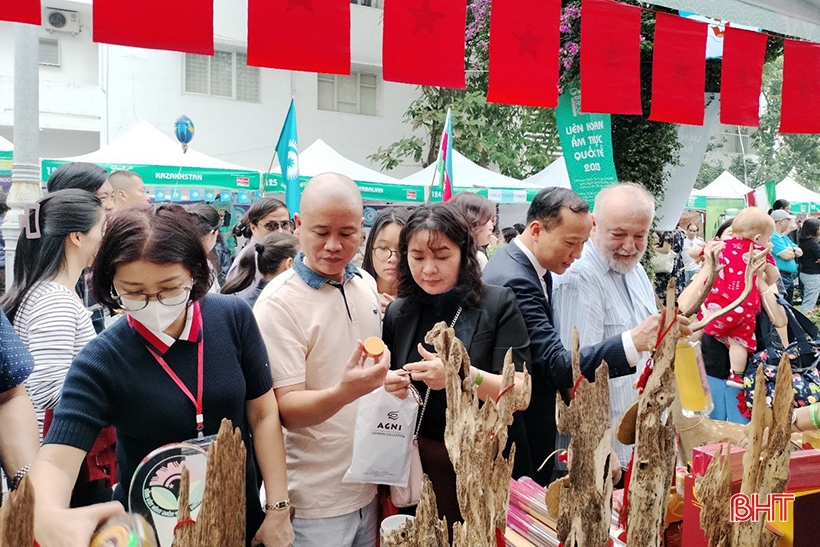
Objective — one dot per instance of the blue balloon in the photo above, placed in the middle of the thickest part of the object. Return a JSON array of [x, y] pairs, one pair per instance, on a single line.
[[184, 129]]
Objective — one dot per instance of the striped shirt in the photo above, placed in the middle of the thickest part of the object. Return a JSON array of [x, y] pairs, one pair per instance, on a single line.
[[602, 303], [54, 325]]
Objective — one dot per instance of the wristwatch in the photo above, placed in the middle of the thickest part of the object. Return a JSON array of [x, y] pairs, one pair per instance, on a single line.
[[278, 506]]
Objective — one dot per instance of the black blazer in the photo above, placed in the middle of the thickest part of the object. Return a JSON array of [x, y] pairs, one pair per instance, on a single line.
[[487, 331], [551, 362]]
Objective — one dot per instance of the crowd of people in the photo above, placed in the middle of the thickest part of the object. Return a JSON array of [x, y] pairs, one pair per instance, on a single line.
[[272, 339]]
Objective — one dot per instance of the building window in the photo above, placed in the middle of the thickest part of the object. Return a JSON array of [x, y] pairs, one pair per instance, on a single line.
[[367, 3], [226, 74], [49, 52], [353, 94]]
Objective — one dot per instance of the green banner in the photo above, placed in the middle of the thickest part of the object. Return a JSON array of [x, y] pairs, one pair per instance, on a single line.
[[370, 190], [6, 158], [718, 210], [696, 202], [586, 141], [161, 175]]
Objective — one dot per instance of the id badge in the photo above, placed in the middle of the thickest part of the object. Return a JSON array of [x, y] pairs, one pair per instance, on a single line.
[[202, 442]]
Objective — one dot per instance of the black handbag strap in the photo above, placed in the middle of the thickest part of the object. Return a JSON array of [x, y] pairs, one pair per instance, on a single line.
[[801, 329]]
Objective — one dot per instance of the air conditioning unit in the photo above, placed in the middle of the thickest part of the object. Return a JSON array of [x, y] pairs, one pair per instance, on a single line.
[[61, 20]]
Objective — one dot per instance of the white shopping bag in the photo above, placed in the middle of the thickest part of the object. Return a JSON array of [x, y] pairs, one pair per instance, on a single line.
[[385, 425]]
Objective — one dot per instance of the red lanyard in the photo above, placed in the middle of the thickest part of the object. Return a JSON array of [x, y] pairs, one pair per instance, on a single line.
[[200, 419]]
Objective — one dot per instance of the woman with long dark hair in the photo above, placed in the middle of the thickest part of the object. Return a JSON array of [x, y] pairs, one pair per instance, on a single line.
[[140, 375], [264, 217], [209, 221], [480, 214], [440, 280], [60, 237], [810, 263], [381, 252], [271, 257]]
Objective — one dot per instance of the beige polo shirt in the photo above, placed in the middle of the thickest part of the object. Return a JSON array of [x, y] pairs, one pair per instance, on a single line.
[[310, 327]]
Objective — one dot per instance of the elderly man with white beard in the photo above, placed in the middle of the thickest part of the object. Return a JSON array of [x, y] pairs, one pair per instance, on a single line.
[[607, 291]]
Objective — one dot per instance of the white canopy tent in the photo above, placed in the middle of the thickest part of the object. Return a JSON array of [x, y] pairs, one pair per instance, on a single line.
[[160, 161], [467, 174], [791, 190], [555, 174], [319, 158], [725, 186]]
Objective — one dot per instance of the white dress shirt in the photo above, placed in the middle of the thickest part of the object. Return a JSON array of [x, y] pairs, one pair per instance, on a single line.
[[603, 303]]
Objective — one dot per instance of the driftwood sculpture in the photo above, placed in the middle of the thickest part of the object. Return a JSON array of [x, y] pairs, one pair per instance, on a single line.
[[426, 530], [765, 471], [693, 432], [585, 503], [654, 453], [475, 439], [714, 491], [17, 516], [221, 520]]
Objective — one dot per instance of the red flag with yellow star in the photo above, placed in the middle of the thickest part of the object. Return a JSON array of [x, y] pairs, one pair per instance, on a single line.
[[423, 42], [175, 26], [308, 35], [21, 11], [524, 43]]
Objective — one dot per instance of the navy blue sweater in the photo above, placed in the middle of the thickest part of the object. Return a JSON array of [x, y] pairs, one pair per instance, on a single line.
[[115, 381]]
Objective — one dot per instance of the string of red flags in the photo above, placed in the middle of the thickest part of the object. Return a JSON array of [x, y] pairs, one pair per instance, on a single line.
[[801, 88], [306, 35], [176, 26], [423, 42], [523, 64], [610, 57], [678, 70], [741, 78], [21, 11]]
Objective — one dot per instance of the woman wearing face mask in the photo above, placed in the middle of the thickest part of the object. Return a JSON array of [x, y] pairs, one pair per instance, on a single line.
[[272, 257], [142, 373], [266, 216], [381, 252], [439, 280]]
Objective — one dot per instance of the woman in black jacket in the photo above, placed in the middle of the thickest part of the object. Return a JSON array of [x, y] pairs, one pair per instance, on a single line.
[[440, 280], [809, 267]]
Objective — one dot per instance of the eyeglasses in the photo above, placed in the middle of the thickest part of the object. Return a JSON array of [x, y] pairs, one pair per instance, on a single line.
[[137, 301], [285, 226], [384, 253]]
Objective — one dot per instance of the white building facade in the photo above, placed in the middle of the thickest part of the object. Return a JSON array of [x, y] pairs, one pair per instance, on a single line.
[[92, 93]]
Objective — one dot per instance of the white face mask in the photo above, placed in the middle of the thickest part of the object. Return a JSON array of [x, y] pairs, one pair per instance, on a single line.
[[155, 316]]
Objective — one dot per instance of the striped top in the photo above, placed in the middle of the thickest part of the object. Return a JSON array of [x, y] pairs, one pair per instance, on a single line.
[[602, 303], [54, 325]]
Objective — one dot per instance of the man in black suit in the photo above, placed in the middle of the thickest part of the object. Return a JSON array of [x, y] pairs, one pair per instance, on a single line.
[[558, 225]]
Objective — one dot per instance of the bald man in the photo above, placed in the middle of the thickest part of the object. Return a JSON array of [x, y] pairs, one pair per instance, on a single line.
[[312, 317], [129, 189]]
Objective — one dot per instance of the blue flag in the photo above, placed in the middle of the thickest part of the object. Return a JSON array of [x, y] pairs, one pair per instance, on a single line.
[[288, 151]]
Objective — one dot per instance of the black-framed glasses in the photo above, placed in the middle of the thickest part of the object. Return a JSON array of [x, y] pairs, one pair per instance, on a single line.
[[137, 301], [384, 253], [273, 226]]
